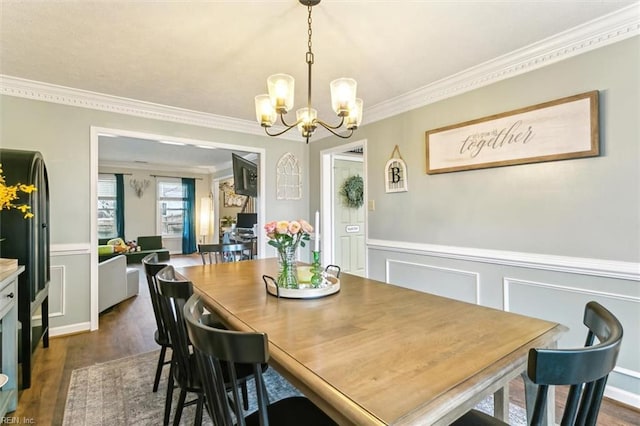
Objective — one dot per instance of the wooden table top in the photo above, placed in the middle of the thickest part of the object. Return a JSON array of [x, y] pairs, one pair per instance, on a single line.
[[375, 353]]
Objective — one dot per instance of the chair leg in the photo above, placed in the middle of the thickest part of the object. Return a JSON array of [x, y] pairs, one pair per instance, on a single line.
[[156, 381], [169, 398], [245, 396], [176, 417], [198, 420]]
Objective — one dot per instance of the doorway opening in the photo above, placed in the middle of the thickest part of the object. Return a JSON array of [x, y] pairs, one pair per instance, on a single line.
[[97, 134], [344, 227]]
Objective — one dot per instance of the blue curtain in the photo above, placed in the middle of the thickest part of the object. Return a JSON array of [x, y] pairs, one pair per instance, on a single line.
[[188, 221], [120, 205]]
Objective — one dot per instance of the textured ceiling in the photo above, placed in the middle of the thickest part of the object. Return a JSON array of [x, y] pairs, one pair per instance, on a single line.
[[215, 56]]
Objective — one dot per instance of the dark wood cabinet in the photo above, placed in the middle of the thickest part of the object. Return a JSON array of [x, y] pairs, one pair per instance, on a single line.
[[28, 241]]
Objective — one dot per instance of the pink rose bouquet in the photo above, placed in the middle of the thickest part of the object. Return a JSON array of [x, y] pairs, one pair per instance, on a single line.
[[284, 233]]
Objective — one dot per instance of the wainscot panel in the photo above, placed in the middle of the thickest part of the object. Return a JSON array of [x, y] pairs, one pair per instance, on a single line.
[[69, 289], [446, 282]]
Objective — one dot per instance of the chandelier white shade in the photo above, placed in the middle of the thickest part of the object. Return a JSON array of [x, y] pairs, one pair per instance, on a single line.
[[279, 100]]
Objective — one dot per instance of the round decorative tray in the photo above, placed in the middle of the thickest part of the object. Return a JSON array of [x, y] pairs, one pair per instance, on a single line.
[[330, 286]]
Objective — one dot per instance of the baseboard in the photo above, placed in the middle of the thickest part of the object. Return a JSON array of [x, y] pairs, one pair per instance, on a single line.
[[69, 329], [619, 395]]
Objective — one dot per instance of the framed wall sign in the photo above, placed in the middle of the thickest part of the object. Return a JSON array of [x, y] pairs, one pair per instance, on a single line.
[[557, 130]]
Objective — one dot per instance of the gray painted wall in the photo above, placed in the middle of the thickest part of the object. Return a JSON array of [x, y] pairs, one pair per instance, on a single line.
[[583, 207], [538, 239], [62, 134]]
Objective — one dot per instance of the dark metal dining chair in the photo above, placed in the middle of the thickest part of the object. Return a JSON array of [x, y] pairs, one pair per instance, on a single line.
[[217, 349], [161, 336], [585, 370], [174, 291], [218, 253]]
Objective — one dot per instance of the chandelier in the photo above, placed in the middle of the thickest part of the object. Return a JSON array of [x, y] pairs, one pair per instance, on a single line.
[[279, 101]]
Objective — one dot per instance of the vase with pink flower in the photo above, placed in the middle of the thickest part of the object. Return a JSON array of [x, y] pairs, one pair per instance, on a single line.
[[286, 237]]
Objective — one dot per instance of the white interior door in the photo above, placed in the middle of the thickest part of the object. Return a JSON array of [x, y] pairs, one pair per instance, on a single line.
[[349, 222]]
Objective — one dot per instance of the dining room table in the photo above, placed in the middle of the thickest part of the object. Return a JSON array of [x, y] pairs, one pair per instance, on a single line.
[[374, 353]]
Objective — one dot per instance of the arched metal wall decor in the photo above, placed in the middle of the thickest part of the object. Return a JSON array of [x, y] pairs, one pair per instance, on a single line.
[[288, 178]]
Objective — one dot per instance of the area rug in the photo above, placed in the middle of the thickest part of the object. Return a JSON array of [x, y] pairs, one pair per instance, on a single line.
[[119, 393]]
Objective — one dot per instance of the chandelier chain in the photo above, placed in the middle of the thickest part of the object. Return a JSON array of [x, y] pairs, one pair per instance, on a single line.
[[309, 63], [309, 31]]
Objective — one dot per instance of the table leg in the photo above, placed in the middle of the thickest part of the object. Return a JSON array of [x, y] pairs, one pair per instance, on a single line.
[[501, 404], [529, 396]]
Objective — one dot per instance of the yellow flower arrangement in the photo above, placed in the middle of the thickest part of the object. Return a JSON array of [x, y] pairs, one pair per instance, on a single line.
[[9, 193]]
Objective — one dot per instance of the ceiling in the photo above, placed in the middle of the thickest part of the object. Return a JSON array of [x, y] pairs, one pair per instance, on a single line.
[[214, 56], [151, 154]]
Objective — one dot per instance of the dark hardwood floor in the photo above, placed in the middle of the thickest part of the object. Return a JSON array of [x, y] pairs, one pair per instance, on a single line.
[[127, 329]]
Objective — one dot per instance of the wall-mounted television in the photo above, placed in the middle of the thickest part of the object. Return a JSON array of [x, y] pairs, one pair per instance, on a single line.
[[245, 176]]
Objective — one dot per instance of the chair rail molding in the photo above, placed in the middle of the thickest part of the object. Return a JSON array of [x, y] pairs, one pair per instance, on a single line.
[[576, 265], [70, 249], [614, 27]]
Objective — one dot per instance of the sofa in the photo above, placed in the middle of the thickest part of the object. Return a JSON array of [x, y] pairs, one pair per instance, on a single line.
[[146, 245], [116, 282]]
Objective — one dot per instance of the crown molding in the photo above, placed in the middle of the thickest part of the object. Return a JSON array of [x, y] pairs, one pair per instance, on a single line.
[[19, 87], [612, 28]]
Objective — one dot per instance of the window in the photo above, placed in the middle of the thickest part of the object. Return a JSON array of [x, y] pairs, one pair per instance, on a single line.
[[171, 207], [107, 206]]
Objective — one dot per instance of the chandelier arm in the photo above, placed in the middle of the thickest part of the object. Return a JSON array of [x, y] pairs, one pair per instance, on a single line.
[[266, 130], [331, 129], [288, 127]]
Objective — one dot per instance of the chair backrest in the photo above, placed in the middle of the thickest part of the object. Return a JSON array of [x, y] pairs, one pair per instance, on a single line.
[[174, 292], [585, 370], [216, 347], [210, 252], [214, 253], [151, 269], [237, 252]]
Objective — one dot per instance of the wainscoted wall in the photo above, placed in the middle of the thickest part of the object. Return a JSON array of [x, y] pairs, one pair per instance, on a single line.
[[553, 288], [69, 285]]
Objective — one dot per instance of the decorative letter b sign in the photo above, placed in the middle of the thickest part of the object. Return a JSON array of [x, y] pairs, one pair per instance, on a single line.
[[395, 173], [556, 130]]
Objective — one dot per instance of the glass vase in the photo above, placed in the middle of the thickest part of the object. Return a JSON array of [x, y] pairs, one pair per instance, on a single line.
[[288, 270]]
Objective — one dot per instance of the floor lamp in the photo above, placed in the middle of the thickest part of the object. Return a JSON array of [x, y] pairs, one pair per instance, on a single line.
[[205, 218]]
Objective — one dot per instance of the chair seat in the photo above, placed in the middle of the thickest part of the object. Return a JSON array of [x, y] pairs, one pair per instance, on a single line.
[[292, 411], [477, 418]]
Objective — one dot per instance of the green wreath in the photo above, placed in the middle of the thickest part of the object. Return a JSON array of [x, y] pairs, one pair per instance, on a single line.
[[353, 191]]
